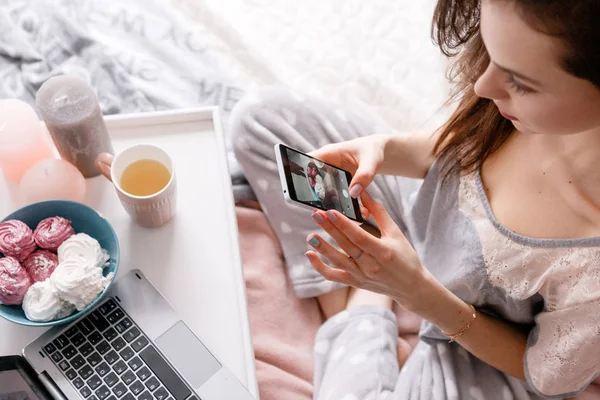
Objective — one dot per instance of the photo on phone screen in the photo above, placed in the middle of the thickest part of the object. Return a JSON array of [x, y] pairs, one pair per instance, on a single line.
[[318, 184]]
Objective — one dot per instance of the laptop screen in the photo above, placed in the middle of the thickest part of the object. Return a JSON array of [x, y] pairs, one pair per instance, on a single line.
[[14, 387]]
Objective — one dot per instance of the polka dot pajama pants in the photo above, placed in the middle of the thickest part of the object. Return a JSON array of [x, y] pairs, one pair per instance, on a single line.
[[273, 116], [356, 350]]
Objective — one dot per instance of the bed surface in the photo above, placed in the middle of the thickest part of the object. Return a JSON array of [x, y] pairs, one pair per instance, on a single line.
[[372, 56]]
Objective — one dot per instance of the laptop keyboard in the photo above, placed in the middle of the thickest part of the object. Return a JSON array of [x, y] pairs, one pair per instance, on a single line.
[[106, 356]]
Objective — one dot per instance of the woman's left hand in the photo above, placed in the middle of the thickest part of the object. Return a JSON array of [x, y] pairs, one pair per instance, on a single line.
[[387, 265]]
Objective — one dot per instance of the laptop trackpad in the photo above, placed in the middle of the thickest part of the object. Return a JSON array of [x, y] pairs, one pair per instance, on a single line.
[[187, 353]]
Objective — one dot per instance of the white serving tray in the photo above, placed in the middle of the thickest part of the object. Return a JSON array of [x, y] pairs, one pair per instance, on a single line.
[[194, 260]]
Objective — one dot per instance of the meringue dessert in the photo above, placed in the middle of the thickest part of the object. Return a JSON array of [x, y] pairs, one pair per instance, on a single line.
[[52, 232], [84, 247], [40, 265], [16, 239], [14, 281], [78, 283], [42, 304], [78, 278], [51, 271]]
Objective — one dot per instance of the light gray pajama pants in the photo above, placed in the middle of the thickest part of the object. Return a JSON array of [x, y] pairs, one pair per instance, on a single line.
[[273, 116], [356, 350]]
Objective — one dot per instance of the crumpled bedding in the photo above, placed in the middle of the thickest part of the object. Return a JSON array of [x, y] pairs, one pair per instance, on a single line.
[[370, 56], [374, 57], [139, 55]]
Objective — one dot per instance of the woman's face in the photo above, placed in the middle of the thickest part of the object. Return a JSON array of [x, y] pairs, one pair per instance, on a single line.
[[526, 80]]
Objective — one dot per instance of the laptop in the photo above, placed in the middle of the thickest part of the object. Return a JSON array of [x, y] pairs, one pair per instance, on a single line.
[[131, 346]]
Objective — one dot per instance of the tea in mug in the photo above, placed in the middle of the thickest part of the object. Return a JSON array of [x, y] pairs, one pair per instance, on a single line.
[[145, 178]]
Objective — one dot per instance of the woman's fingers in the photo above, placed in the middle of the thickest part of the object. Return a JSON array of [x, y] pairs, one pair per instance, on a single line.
[[365, 173], [340, 238], [334, 154], [347, 234], [332, 254], [329, 273], [383, 220]]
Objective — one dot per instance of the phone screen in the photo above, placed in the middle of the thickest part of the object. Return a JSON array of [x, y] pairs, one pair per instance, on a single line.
[[318, 184]]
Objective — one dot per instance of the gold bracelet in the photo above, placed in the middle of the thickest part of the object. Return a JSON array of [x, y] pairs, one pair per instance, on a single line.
[[464, 329]]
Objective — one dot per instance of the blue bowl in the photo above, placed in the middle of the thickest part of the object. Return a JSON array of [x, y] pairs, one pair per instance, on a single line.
[[84, 220]]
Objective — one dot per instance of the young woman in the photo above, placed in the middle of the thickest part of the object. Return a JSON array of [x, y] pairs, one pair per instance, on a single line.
[[500, 251]]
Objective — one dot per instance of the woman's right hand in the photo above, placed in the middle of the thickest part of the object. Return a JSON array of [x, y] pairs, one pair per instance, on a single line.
[[362, 157]]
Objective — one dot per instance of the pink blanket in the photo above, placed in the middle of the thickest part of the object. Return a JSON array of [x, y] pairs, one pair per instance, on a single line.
[[284, 326]]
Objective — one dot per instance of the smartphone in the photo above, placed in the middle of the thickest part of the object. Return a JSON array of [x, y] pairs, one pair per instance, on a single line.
[[312, 183]]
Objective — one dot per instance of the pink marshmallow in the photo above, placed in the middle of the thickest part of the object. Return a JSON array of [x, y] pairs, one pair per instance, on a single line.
[[16, 240], [14, 281], [52, 232], [40, 265]]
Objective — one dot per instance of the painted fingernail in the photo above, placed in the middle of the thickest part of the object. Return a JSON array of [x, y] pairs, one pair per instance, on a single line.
[[314, 241], [331, 215], [317, 218], [356, 190]]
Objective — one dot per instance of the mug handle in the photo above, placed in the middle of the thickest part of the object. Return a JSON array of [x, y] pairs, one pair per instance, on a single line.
[[103, 163]]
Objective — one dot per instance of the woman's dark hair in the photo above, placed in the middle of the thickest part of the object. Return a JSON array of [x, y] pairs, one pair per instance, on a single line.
[[476, 129]]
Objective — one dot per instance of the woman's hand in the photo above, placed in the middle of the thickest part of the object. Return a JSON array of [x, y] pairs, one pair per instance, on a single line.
[[387, 265], [390, 266], [361, 157]]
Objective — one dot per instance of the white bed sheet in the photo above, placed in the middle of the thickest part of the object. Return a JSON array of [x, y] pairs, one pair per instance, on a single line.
[[372, 56]]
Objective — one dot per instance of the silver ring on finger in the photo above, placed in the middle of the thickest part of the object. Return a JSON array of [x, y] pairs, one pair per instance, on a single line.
[[356, 257]]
